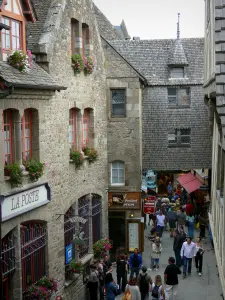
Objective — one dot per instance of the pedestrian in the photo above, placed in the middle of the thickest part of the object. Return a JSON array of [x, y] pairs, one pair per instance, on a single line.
[[107, 265], [132, 290], [144, 282], [121, 272], [101, 278], [172, 218], [171, 279], [188, 251], [160, 219], [111, 287], [203, 222], [181, 218], [157, 289], [211, 237], [93, 283], [179, 239], [199, 256], [190, 224], [169, 190], [156, 253], [189, 208], [158, 204], [135, 263]]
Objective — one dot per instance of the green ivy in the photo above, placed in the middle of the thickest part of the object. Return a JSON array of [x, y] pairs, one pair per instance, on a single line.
[[15, 173]]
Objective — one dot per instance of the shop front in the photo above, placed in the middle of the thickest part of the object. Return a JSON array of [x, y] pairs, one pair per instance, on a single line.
[[126, 225]]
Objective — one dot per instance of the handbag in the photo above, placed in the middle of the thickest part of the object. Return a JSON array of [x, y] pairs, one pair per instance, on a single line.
[[197, 225]]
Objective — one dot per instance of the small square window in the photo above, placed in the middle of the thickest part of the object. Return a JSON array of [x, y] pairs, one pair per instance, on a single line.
[[177, 73], [118, 103], [179, 96], [179, 137]]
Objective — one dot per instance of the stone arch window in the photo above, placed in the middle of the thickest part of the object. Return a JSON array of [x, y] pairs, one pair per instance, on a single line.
[[88, 128], [96, 218], [117, 172], [74, 124], [85, 40], [33, 253], [75, 37]]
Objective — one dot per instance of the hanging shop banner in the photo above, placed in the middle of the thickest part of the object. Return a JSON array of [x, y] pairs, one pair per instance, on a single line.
[[123, 201], [25, 200], [149, 205], [69, 254]]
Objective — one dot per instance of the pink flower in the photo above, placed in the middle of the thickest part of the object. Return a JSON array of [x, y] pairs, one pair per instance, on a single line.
[[46, 164]]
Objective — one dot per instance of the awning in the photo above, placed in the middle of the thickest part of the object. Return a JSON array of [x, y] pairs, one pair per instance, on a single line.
[[190, 182]]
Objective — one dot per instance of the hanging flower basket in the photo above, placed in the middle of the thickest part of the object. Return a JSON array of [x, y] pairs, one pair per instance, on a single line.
[[19, 60], [77, 63], [88, 65], [77, 158], [35, 168], [91, 154], [76, 267], [15, 173], [43, 289], [101, 247]]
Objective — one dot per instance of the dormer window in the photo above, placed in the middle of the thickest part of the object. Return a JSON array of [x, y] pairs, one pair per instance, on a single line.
[[177, 72]]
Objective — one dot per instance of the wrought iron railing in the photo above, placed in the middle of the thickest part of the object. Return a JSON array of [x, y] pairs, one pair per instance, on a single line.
[[8, 255]]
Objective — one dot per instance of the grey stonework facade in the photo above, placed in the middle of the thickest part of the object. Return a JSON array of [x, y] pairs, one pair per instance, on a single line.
[[51, 45]]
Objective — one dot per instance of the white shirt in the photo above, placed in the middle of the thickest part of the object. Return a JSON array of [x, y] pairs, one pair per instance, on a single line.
[[188, 250], [160, 220]]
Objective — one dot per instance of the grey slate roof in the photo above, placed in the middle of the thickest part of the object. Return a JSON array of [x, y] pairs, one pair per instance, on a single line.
[[177, 55], [35, 78], [122, 31], [107, 30], [150, 58]]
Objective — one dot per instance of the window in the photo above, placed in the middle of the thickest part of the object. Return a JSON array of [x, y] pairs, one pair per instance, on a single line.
[[179, 137], [118, 100], [33, 254], [75, 36], [84, 212], [179, 96], [117, 174], [26, 125], [85, 128], [69, 231], [177, 73], [13, 6], [72, 129], [11, 39], [96, 218], [8, 149], [85, 39]]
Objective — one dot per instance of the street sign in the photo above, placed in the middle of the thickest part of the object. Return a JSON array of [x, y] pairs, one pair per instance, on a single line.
[[149, 205]]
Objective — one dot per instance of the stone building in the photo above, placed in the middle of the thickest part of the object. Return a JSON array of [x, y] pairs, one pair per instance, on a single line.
[[47, 113], [124, 113], [215, 98]]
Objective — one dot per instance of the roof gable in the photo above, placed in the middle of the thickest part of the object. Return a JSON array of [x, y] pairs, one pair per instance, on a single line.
[[24, 7], [177, 56]]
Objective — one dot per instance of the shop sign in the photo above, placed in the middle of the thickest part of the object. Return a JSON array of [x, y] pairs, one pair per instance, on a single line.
[[124, 201], [133, 234], [69, 254], [21, 202], [149, 205]]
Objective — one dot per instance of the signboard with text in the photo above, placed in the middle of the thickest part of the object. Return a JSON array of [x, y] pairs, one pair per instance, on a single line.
[[124, 201], [23, 201], [149, 205]]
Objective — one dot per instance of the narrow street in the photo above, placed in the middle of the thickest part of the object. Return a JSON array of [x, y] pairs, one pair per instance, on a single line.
[[206, 287]]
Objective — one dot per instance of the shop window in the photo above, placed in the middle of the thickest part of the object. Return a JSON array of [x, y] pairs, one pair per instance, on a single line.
[[8, 135], [75, 44], [118, 103], [33, 254], [85, 39], [179, 97], [26, 128], [69, 232], [117, 173], [177, 73], [96, 218], [83, 212], [179, 138], [73, 128]]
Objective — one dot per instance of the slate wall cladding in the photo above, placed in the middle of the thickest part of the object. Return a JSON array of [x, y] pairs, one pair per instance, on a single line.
[[158, 119], [67, 183]]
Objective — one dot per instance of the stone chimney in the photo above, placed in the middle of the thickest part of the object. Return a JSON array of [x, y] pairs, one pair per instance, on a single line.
[[2, 26]]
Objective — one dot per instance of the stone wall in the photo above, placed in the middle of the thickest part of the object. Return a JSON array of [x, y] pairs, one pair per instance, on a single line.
[[158, 118]]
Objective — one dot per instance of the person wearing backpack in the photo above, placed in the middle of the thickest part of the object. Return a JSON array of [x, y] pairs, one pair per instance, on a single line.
[[157, 289], [93, 283], [144, 283]]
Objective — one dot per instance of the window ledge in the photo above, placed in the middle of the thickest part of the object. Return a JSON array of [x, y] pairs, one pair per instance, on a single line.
[[118, 119], [71, 161], [74, 278], [179, 106], [86, 258], [179, 146]]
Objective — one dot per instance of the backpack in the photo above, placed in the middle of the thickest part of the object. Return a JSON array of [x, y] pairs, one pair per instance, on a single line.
[[127, 295], [144, 285], [155, 291]]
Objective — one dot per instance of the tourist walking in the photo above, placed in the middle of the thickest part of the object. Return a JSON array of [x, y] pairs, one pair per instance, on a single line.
[[181, 218], [199, 256], [188, 251], [107, 265], [190, 224], [157, 289], [171, 279], [169, 190], [111, 287], [93, 283], [101, 278], [156, 253], [144, 282], [172, 218], [132, 290], [160, 219], [135, 263], [121, 270], [179, 239], [203, 222]]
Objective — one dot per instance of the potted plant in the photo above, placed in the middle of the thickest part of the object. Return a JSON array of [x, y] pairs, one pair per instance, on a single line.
[[43, 289], [77, 63], [35, 168], [101, 247], [77, 158], [15, 173], [76, 267], [91, 154], [19, 60], [88, 65]]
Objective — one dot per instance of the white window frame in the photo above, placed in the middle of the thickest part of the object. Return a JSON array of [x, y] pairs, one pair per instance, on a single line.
[[117, 184], [176, 68]]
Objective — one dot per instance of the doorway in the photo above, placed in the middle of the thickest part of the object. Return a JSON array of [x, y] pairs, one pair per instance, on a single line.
[[117, 233]]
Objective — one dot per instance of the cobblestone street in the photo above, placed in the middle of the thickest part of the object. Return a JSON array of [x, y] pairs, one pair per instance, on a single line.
[[194, 287]]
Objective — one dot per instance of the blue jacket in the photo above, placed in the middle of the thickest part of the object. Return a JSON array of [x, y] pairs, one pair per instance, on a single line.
[[139, 260], [111, 289]]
